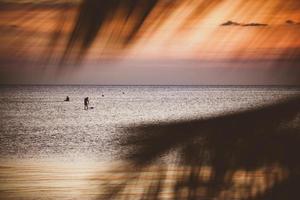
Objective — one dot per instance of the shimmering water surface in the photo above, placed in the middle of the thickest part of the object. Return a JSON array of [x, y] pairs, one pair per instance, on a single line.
[[36, 122], [51, 149]]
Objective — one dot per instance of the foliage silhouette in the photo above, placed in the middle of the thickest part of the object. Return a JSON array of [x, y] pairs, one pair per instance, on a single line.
[[263, 138]]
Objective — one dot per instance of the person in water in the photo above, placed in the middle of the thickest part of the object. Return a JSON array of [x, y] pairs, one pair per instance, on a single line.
[[86, 103], [67, 98]]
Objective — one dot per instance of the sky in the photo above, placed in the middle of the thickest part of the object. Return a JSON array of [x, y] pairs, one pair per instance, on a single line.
[[150, 42]]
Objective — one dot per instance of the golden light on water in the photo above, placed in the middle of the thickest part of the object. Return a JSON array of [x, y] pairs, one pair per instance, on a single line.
[[150, 42], [89, 180]]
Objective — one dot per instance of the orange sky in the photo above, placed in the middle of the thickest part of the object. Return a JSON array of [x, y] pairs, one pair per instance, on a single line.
[[186, 30]]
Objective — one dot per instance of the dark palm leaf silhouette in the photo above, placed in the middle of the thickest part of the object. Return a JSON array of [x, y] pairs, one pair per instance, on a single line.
[[246, 140], [93, 14]]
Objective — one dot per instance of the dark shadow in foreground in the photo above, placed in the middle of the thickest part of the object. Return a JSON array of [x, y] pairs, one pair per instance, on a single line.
[[264, 141]]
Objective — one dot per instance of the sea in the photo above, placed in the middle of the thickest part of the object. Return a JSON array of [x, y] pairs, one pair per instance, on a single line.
[[48, 146]]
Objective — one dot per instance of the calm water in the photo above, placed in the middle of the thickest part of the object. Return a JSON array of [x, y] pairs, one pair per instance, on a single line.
[[36, 123], [51, 149]]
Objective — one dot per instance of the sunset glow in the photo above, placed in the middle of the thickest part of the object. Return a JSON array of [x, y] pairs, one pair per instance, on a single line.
[[149, 99], [171, 30]]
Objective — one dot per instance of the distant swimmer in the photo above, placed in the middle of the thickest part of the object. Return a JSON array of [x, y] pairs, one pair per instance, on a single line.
[[67, 98], [86, 103], [102, 95]]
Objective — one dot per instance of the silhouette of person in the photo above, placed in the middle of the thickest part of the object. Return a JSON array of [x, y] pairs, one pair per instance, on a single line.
[[67, 98], [86, 103]]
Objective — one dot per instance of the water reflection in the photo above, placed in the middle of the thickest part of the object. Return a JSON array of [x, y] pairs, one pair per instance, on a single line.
[[245, 155], [249, 154]]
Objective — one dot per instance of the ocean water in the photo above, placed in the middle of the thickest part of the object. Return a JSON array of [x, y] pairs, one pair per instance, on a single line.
[[35, 122], [51, 149]]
